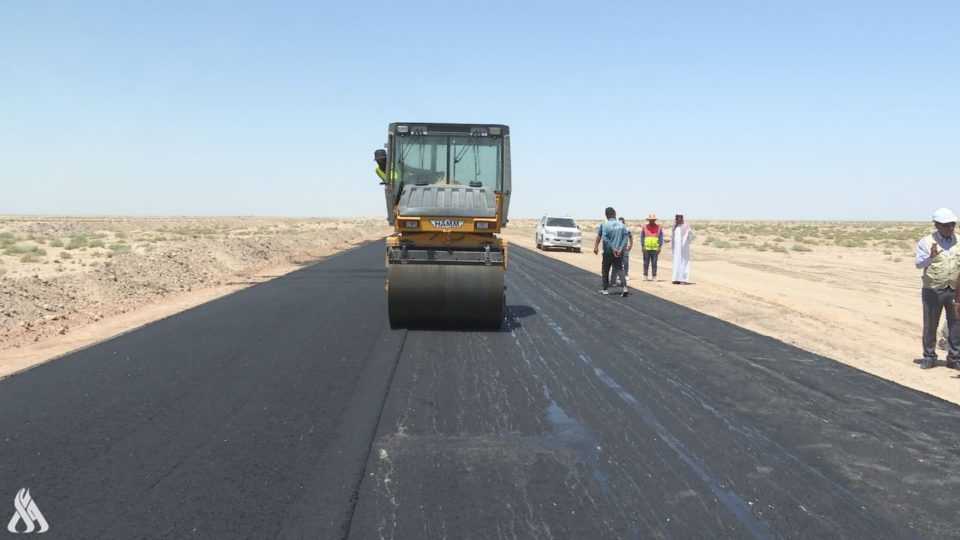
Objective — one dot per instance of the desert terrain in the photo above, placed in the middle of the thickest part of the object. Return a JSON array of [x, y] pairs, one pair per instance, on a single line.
[[847, 291]]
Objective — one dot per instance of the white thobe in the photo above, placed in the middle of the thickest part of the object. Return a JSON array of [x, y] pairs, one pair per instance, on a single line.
[[681, 253]]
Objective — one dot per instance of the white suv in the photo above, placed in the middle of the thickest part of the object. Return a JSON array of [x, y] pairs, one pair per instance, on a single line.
[[558, 231]]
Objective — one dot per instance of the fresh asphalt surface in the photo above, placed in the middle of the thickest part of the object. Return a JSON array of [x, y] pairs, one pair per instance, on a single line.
[[290, 409]]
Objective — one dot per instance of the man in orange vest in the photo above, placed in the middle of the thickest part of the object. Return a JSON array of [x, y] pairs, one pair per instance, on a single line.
[[651, 238]]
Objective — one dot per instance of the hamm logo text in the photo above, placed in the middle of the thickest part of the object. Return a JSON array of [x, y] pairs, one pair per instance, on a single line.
[[446, 223]]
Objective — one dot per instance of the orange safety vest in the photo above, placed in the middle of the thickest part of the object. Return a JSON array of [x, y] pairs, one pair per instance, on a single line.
[[651, 237]]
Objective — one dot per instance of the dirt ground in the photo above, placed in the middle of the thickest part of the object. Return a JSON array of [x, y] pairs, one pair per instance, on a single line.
[[848, 291]]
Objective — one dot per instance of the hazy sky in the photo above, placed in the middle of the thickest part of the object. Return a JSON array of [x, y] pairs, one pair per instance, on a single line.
[[719, 109]]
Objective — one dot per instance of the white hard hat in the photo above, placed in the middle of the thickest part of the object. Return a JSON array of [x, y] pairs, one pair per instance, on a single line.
[[944, 215]]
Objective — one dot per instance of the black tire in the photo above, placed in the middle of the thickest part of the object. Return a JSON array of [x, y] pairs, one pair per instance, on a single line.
[[576, 250]]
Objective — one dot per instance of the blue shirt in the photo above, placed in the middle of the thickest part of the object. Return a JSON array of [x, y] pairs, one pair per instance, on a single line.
[[614, 235]]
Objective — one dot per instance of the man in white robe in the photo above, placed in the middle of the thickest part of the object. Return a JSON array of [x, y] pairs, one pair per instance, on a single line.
[[682, 236]]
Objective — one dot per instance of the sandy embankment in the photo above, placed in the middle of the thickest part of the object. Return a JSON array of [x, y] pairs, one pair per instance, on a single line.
[[847, 291]]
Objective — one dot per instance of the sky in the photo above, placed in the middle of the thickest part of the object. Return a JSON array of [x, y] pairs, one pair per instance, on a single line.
[[821, 110]]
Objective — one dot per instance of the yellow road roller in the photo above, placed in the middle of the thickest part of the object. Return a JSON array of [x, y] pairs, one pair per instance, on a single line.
[[447, 189]]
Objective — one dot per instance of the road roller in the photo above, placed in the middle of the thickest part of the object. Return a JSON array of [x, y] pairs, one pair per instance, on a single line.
[[447, 189]]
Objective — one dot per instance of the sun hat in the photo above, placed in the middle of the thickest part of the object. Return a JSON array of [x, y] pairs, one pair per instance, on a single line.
[[944, 215]]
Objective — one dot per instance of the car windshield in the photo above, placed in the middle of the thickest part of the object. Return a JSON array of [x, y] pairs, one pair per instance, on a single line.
[[561, 222], [463, 160]]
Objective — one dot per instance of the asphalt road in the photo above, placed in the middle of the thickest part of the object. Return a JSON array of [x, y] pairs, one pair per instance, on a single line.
[[290, 409]]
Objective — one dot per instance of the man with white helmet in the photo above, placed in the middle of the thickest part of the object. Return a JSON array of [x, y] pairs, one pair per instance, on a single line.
[[940, 263]]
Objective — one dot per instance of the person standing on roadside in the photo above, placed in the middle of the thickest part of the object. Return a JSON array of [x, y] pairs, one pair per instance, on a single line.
[[613, 234], [651, 238], [940, 263], [682, 236], [626, 253]]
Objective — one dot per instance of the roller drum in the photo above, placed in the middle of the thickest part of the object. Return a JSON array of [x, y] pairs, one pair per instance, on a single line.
[[445, 296]]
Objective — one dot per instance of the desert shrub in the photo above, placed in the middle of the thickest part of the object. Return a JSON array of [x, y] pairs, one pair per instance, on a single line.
[[851, 242], [120, 234], [800, 247], [96, 243], [56, 242], [77, 241], [18, 249], [65, 255], [723, 244], [119, 248], [25, 249], [29, 258]]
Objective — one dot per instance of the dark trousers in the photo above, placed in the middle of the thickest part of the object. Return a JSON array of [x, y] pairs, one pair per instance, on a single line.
[[612, 263], [936, 301], [650, 259]]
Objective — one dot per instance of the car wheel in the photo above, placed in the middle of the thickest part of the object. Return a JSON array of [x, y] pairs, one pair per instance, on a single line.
[[576, 250]]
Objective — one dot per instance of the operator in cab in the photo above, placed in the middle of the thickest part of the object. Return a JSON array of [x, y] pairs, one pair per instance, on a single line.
[[380, 156]]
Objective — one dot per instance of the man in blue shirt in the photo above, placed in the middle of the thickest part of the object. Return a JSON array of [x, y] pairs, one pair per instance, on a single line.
[[614, 236]]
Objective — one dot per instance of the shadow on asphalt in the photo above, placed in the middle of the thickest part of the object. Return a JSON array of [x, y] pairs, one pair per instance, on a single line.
[[514, 314], [511, 322]]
